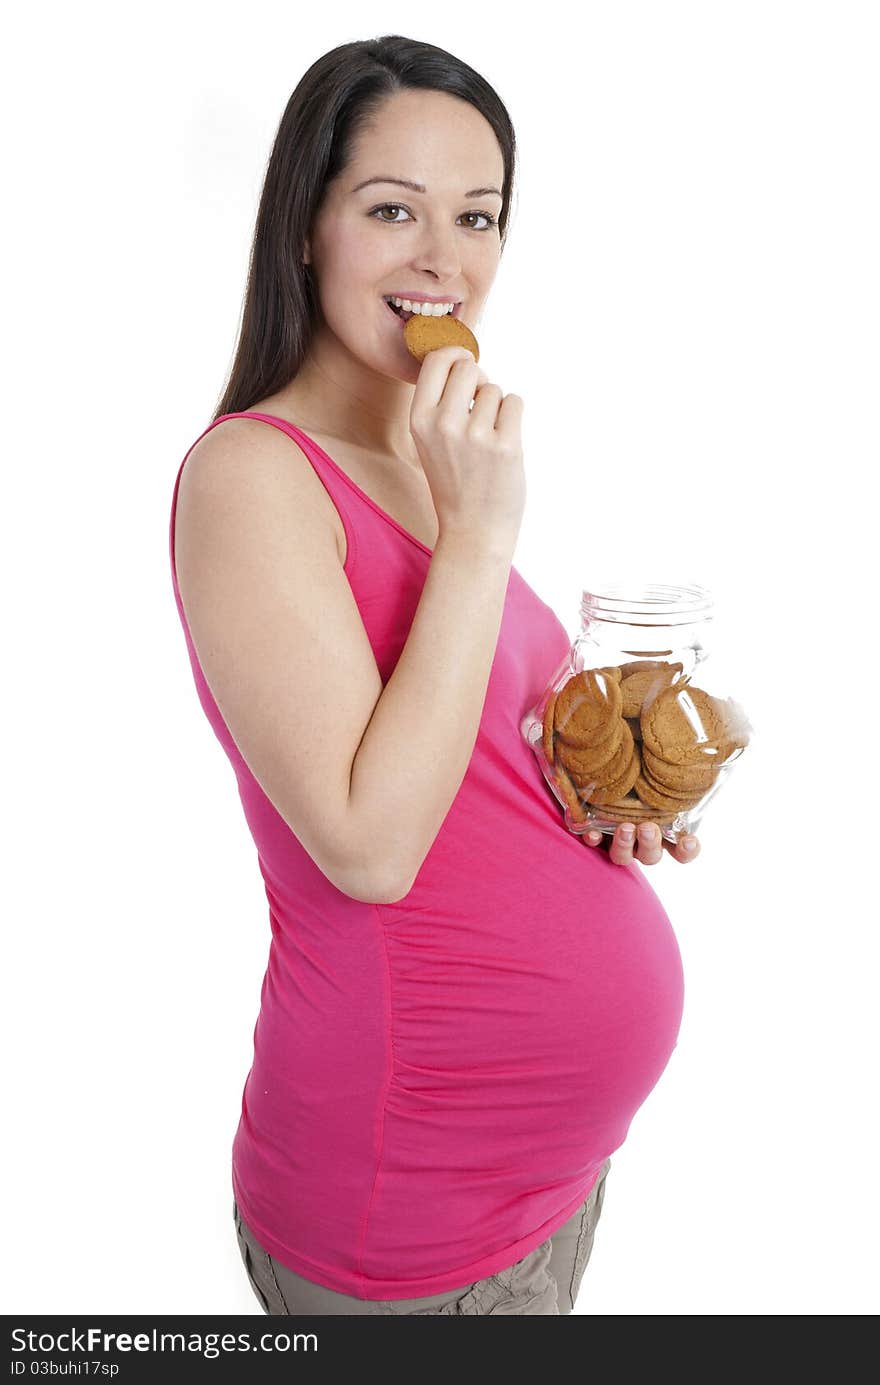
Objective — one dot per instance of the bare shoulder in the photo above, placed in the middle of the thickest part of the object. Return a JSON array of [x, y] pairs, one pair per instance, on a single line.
[[239, 451]]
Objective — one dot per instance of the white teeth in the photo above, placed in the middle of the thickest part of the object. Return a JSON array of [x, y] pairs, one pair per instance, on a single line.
[[426, 309]]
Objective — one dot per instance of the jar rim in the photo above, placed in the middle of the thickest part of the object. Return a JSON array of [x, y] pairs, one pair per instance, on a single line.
[[647, 603]]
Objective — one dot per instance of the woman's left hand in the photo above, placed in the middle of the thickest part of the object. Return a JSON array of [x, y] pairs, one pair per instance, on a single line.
[[645, 846]]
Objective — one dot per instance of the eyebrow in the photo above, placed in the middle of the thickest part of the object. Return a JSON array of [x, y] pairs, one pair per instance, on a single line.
[[419, 187]]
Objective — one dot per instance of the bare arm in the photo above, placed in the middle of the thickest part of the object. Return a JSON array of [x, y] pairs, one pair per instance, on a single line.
[[363, 775], [420, 738], [269, 608]]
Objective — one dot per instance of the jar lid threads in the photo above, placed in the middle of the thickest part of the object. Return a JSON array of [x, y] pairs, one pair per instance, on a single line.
[[633, 603]]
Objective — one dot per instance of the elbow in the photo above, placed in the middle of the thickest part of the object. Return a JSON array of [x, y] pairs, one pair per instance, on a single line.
[[395, 895], [379, 873], [371, 885], [376, 871]]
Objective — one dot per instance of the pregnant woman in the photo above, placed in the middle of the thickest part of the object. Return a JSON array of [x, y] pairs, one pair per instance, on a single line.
[[464, 1003]]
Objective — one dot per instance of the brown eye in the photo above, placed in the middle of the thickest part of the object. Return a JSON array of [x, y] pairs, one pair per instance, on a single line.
[[389, 206], [486, 216]]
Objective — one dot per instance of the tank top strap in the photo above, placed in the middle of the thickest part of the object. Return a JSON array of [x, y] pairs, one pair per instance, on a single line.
[[326, 467], [339, 487]]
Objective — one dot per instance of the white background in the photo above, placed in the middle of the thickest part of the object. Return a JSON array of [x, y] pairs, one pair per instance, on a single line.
[[689, 306]]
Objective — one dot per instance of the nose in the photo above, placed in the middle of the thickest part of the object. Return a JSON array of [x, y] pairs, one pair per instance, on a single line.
[[438, 254]]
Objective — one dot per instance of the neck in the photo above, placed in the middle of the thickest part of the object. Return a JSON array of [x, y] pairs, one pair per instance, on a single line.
[[333, 395]]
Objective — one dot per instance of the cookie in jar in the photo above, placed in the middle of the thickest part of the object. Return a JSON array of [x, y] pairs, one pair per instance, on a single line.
[[637, 724]]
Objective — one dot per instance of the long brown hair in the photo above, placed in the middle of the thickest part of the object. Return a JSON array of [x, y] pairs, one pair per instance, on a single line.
[[338, 95]]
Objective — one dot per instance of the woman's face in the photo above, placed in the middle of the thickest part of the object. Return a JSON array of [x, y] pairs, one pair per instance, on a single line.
[[383, 239]]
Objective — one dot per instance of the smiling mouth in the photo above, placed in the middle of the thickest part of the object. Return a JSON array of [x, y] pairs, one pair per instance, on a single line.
[[405, 316]]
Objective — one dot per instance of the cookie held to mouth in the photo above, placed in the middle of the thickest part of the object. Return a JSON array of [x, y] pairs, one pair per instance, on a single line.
[[424, 334]]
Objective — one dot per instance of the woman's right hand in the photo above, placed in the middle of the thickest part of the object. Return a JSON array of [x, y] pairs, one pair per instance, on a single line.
[[472, 458], [647, 839]]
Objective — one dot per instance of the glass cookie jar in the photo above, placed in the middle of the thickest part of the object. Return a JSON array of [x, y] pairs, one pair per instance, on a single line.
[[628, 730]]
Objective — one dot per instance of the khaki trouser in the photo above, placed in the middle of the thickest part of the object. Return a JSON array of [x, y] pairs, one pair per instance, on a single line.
[[544, 1282]]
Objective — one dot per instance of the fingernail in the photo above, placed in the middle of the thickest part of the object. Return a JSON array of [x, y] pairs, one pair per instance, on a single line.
[[690, 843], [627, 833]]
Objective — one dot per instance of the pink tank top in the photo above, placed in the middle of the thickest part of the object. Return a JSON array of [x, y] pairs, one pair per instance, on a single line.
[[436, 1082]]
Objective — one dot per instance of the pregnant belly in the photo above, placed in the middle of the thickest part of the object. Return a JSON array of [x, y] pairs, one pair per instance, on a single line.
[[551, 1007]]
